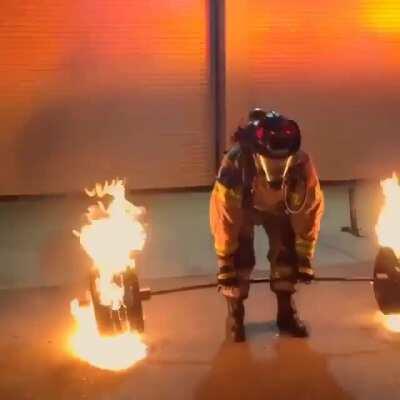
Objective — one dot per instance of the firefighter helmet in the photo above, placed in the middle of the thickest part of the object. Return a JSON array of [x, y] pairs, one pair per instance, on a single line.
[[276, 136], [256, 115]]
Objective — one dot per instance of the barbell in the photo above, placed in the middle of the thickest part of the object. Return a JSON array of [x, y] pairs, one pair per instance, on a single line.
[[385, 282]]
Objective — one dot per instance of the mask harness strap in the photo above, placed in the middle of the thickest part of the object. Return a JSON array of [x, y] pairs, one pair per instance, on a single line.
[[248, 174], [286, 192]]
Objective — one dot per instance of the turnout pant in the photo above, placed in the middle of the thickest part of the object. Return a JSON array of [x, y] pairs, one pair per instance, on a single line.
[[281, 255]]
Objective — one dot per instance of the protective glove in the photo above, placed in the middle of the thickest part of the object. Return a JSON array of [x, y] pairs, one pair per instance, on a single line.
[[227, 276], [305, 272]]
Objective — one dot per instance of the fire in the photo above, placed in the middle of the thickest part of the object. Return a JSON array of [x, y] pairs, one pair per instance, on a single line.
[[391, 322], [111, 238], [389, 218], [112, 353], [387, 233], [113, 233]]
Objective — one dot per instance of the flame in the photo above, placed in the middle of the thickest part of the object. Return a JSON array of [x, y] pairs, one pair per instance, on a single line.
[[389, 218], [111, 238], [387, 234], [113, 233], [392, 322], [114, 353]]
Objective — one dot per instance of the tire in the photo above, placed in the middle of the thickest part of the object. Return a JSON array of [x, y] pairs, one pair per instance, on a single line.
[[103, 314], [387, 281], [133, 301]]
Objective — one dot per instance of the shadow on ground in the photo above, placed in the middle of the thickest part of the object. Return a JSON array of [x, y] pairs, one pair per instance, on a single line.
[[238, 373]]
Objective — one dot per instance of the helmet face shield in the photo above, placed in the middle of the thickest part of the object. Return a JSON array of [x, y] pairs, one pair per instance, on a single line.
[[277, 137], [275, 169], [256, 115]]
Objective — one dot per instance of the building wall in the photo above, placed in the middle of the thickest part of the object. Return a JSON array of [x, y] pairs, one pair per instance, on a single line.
[[334, 66], [90, 90]]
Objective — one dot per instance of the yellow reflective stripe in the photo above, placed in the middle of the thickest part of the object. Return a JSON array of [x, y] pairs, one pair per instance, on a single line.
[[306, 270], [227, 275], [305, 243], [225, 249], [280, 272], [305, 247], [224, 194], [305, 253]]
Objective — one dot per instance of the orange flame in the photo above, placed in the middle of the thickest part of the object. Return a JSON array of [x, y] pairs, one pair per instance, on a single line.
[[387, 233], [389, 219], [111, 236], [114, 353], [392, 322]]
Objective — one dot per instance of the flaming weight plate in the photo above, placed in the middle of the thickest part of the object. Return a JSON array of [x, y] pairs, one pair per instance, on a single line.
[[133, 300], [387, 281]]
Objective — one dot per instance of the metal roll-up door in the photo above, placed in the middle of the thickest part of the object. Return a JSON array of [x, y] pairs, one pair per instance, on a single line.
[[334, 66], [91, 90]]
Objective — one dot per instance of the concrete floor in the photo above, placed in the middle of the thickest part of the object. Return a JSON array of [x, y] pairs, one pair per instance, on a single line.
[[38, 248], [350, 355]]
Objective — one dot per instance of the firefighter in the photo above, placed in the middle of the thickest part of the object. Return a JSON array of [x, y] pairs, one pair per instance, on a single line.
[[265, 179]]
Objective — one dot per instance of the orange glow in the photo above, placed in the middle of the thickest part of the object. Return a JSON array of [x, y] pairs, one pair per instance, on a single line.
[[302, 43], [57, 49], [389, 219], [390, 321], [112, 353], [113, 232], [383, 16]]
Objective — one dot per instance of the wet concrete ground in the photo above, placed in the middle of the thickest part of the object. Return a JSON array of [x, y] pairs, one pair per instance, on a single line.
[[350, 355]]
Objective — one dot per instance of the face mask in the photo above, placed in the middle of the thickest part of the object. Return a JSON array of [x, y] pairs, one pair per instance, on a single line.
[[275, 169]]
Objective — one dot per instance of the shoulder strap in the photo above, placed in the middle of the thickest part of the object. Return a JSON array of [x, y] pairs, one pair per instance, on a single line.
[[248, 174]]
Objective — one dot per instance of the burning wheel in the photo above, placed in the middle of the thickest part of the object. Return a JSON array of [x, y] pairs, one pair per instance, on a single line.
[[133, 300], [129, 316], [387, 281], [102, 313]]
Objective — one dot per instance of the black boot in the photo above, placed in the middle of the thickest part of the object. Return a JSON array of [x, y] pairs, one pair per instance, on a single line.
[[287, 319], [234, 325]]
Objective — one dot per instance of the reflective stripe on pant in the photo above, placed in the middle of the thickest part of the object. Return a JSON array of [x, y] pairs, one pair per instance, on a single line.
[[243, 259], [242, 290], [282, 254]]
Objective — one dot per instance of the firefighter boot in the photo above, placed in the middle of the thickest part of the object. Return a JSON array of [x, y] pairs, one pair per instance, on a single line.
[[288, 321], [234, 323]]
